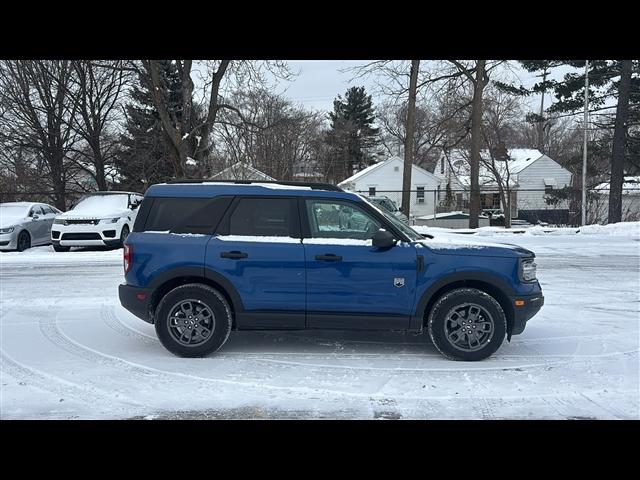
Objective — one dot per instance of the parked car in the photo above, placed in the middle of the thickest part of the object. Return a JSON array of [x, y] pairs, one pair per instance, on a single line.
[[24, 225], [207, 258], [390, 206], [98, 219]]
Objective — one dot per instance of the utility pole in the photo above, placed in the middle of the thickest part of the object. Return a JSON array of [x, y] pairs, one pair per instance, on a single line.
[[584, 146]]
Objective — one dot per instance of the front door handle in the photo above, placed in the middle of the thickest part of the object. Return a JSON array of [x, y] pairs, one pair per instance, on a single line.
[[329, 257], [235, 254]]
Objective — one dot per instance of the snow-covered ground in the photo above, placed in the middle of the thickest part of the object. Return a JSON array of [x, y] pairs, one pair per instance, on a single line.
[[69, 350]]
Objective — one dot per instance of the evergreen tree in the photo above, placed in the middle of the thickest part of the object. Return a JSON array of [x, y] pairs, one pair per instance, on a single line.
[[353, 135], [147, 156]]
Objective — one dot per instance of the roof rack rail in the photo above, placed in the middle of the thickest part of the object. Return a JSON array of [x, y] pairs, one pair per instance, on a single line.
[[312, 185]]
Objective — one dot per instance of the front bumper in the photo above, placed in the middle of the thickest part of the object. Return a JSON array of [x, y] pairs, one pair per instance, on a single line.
[[86, 235], [8, 241], [524, 308], [136, 300]]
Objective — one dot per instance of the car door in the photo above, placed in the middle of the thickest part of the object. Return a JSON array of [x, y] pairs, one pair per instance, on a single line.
[[49, 216], [257, 248], [351, 283], [37, 226]]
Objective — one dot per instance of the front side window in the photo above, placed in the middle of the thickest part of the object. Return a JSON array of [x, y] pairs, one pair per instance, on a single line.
[[329, 219], [263, 217]]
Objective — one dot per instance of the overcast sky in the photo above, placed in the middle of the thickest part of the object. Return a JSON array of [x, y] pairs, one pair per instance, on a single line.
[[319, 82]]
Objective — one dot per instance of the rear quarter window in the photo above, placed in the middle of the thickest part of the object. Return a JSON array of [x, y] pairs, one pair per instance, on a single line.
[[181, 215]]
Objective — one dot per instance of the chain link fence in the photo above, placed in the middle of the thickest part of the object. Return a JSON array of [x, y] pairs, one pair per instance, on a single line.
[[561, 207]]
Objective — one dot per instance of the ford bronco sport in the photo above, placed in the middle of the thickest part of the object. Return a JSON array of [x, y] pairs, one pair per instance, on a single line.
[[205, 258]]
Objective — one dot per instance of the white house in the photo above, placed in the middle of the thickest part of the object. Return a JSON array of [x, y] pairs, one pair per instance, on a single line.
[[385, 178], [241, 171], [530, 175], [599, 205]]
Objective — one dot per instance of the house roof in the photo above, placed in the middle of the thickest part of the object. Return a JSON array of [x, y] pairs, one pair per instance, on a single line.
[[375, 166], [241, 171], [519, 159], [631, 186]]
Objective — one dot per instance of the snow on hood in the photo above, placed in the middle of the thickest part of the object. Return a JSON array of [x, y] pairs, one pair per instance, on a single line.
[[11, 215], [11, 220], [457, 244], [99, 206]]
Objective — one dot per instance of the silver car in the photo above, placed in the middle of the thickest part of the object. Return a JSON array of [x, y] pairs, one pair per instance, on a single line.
[[24, 225]]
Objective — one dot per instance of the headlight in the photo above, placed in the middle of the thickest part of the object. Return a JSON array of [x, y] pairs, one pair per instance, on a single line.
[[58, 221], [528, 270], [7, 230], [109, 220]]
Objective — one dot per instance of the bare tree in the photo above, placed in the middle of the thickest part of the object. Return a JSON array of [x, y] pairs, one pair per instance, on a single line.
[[96, 93], [39, 117], [178, 123], [267, 132]]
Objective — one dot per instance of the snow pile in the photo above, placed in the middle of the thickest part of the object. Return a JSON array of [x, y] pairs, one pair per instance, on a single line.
[[622, 229]]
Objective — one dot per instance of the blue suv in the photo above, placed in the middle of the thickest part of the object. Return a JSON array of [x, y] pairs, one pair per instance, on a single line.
[[205, 258]]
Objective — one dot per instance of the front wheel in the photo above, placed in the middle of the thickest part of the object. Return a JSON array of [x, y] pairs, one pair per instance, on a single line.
[[123, 235], [467, 324], [24, 241], [193, 320]]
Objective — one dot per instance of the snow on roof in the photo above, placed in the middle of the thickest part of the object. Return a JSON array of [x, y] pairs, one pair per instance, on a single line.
[[519, 158], [370, 168], [241, 171], [631, 186]]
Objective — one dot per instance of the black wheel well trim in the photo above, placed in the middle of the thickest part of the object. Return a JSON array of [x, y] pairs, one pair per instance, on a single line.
[[488, 283], [170, 279]]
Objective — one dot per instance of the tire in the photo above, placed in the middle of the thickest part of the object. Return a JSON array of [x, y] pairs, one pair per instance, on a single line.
[[177, 337], [24, 241], [59, 248], [124, 233], [451, 314]]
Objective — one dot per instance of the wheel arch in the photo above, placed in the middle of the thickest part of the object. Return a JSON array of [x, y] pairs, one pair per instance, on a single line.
[[171, 279], [489, 284]]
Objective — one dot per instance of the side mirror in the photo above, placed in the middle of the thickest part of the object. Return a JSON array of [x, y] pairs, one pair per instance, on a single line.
[[35, 217], [383, 239]]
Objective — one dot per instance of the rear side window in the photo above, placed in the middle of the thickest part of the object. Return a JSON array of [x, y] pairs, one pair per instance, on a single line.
[[264, 217], [184, 215]]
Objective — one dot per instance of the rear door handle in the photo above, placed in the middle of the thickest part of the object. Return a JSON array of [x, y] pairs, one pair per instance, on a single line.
[[329, 257], [234, 254]]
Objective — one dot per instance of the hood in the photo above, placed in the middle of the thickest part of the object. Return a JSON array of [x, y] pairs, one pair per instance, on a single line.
[[442, 244], [7, 221], [90, 215]]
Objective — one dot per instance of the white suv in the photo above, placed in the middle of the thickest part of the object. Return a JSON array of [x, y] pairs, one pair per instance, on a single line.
[[98, 219]]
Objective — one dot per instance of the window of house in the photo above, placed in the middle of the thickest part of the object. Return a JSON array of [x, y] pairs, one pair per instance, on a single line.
[[372, 191], [396, 169], [420, 195], [548, 189], [442, 165]]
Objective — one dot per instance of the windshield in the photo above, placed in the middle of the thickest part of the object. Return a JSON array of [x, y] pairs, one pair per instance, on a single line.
[[13, 210], [102, 204], [408, 231]]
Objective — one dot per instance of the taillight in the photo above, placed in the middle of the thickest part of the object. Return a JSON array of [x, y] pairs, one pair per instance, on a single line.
[[127, 257]]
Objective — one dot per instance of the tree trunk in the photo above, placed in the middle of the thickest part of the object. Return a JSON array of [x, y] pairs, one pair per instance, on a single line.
[[619, 140], [408, 140], [476, 142]]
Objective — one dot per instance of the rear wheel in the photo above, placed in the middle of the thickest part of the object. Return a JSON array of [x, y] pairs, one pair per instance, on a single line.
[[193, 320], [467, 324], [24, 241]]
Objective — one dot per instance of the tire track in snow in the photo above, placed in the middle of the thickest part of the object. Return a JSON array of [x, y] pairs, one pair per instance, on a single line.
[[108, 316], [63, 388]]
